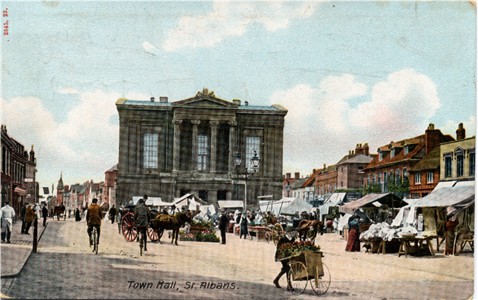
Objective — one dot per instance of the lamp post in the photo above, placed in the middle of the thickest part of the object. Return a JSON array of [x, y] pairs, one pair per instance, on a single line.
[[246, 172]]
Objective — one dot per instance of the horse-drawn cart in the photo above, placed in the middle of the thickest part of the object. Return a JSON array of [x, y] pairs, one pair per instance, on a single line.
[[128, 227], [306, 267]]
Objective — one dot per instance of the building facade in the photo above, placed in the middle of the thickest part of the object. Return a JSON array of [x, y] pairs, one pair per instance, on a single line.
[[168, 149], [457, 158], [390, 170], [109, 190], [17, 173]]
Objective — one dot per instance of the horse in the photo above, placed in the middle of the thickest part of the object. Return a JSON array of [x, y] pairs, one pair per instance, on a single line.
[[58, 210], [167, 222], [310, 225]]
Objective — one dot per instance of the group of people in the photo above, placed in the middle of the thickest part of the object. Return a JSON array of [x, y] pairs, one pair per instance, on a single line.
[[27, 216]]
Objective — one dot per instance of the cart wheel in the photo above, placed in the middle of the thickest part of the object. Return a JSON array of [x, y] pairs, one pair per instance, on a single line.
[[323, 282], [298, 277], [153, 235], [127, 227]]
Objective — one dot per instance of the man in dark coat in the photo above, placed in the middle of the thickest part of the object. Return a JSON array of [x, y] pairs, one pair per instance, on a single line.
[[223, 224], [44, 214], [112, 214], [23, 212], [289, 237], [142, 218]]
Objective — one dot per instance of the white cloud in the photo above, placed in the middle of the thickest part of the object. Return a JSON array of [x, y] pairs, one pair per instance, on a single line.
[[67, 90], [82, 147], [398, 107], [229, 19]]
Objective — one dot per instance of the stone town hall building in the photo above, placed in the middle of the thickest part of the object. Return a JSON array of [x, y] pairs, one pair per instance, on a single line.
[[168, 149]]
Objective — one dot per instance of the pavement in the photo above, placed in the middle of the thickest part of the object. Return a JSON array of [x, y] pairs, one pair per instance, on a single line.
[[15, 255]]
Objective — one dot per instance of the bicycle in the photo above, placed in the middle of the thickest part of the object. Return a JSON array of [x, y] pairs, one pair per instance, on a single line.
[[94, 236]]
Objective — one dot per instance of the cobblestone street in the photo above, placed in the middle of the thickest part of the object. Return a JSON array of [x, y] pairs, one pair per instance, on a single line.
[[64, 267]]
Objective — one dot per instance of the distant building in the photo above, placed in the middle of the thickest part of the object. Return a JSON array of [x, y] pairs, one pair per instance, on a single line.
[[109, 190], [169, 149]]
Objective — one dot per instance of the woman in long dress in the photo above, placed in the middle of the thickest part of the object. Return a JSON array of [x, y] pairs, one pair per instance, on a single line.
[[353, 241]]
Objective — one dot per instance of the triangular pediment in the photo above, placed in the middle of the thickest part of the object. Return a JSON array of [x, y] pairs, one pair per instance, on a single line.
[[204, 99]]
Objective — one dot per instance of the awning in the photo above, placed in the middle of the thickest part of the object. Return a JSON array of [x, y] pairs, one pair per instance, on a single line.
[[389, 199], [230, 203], [20, 191], [275, 206], [447, 196], [296, 207]]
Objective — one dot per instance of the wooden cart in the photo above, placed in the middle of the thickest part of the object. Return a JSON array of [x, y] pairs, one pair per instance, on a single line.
[[306, 267], [129, 230]]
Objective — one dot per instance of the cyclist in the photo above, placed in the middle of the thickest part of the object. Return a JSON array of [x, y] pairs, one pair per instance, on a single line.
[[93, 218], [141, 218]]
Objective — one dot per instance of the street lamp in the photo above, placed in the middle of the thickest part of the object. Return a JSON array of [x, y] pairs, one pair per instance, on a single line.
[[255, 166]]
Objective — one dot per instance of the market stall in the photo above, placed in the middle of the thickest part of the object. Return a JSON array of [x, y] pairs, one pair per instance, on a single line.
[[455, 201]]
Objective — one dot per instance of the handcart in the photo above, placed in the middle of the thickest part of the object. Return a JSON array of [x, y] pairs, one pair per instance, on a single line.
[[307, 267]]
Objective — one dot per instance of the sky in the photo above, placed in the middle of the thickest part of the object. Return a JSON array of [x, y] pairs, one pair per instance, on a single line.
[[349, 72]]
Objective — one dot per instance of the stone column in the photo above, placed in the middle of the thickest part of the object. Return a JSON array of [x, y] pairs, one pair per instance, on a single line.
[[232, 146], [213, 144], [176, 144], [194, 150]]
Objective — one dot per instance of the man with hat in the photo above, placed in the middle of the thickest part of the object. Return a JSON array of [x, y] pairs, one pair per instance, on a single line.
[[288, 237], [223, 224], [142, 218], [93, 218]]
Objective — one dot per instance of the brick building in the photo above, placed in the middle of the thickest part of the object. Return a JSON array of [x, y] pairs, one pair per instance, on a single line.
[[18, 173], [389, 171], [168, 149]]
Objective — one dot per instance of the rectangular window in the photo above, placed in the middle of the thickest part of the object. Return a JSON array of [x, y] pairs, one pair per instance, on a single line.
[[447, 166], [202, 152], [430, 177], [459, 165], [472, 164], [253, 143], [418, 178], [150, 150]]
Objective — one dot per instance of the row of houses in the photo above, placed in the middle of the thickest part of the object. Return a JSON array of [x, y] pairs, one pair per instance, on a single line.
[[410, 168], [18, 172], [80, 195]]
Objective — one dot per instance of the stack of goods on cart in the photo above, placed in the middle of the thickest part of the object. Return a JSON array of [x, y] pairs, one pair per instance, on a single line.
[[199, 231], [295, 248], [383, 231]]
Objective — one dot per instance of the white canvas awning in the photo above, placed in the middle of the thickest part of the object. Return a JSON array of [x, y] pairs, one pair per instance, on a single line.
[[388, 198], [296, 207], [152, 201], [230, 204], [447, 196], [275, 206]]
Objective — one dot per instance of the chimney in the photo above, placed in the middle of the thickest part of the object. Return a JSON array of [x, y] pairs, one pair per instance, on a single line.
[[236, 101], [152, 99], [365, 149], [297, 176], [432, 138], [460, 132], [287, 175], [359, 149], [163, 99]]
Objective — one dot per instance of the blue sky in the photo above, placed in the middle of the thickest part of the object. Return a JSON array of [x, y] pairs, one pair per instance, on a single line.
[[349, 72]]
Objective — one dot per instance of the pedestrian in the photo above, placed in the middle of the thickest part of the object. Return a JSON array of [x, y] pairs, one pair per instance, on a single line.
[[29, 216], [353, 241], [7, 221], [450, 226], [23, 211], [142, 218], [44, 212], [223, 224], [93, 219], [77, 215], [288, 237], [244, 223], [112, 213]]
